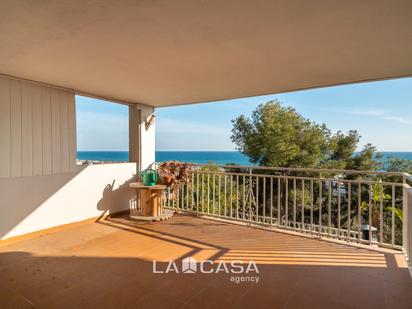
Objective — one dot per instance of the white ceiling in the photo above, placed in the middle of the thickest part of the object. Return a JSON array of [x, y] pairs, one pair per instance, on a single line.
[[168, 52]]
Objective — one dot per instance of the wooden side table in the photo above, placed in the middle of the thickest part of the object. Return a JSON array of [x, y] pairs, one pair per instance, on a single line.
[[151, 202]]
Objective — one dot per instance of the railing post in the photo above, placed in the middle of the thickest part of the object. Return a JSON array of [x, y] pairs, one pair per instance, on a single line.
[[320, 203], [407, 223], [250, 197]]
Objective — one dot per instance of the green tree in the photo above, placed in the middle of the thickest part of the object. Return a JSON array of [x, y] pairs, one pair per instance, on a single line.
[[279, 136], [399, 165], [367, 159], [340, 149]]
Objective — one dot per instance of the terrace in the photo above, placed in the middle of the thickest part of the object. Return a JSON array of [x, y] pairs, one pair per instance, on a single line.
[[66, 239], [304, 257], [108, 264]]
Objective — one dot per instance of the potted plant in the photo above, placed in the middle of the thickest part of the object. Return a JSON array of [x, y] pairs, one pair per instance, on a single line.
[[174, 174]]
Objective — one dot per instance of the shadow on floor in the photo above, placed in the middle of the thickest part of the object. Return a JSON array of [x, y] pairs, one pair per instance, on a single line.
[[87, 282], [110, 265]]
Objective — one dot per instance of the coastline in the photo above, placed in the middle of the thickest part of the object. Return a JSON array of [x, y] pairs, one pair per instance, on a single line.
[[200, 157]]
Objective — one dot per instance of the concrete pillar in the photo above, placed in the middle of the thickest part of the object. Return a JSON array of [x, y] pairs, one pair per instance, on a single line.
[[141, 135], [134, 134]]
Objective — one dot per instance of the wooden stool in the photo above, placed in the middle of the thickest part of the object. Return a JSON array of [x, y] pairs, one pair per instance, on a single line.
[[151, 201]]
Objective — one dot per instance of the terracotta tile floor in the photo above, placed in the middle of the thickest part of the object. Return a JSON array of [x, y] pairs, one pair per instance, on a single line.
[[108, 264]]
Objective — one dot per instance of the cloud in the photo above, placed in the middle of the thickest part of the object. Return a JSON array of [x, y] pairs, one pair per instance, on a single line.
[[168, 125], [186, 134], [102, 131], [378, 113], [367, 112], [101, 121], [399, 120]]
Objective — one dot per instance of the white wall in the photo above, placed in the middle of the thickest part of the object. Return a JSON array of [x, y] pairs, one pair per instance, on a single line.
[[37, 129], [30, 204]]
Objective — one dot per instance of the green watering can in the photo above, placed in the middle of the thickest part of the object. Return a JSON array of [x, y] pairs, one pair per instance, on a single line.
[[149, 177]]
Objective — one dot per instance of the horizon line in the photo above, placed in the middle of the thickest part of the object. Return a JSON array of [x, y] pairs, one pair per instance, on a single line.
[[185, 150]]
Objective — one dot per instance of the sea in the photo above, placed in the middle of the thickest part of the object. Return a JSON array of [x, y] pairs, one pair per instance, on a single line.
[[201, 157]]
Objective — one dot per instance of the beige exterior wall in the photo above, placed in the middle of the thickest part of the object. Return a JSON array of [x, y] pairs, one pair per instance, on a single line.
[[40, 184], [37, 129]]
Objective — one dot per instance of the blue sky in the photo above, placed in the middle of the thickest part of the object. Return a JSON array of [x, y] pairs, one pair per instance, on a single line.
[[380, 111]]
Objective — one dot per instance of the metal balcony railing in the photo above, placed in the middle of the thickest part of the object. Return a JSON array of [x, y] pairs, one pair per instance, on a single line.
[[368, 207]]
